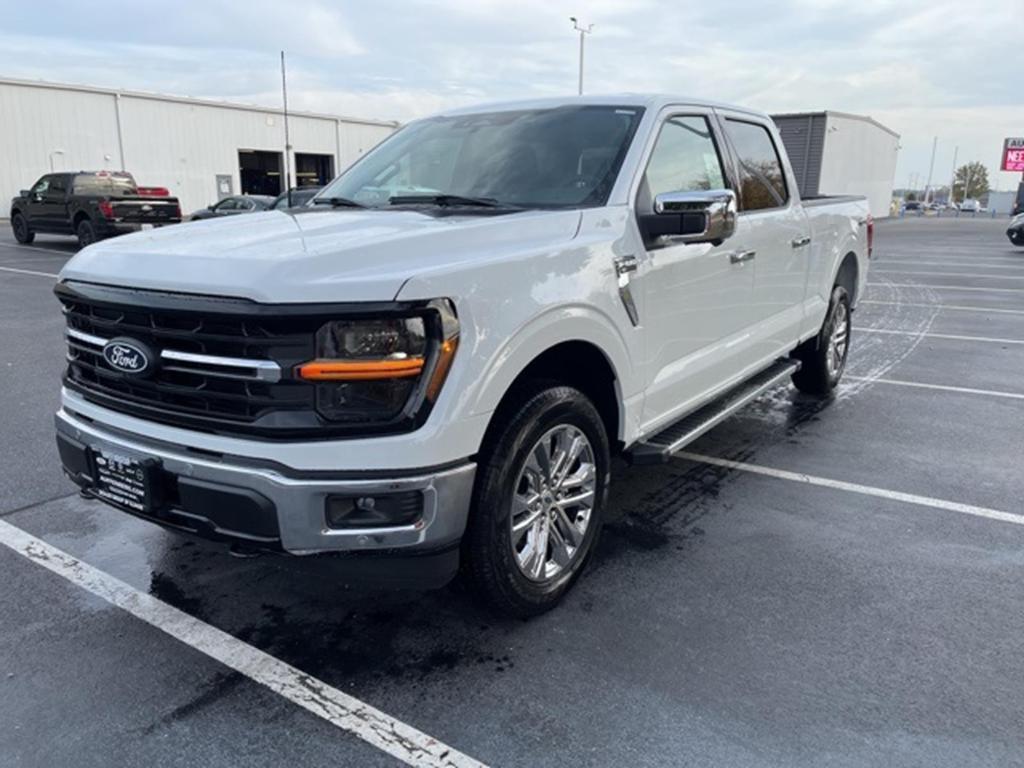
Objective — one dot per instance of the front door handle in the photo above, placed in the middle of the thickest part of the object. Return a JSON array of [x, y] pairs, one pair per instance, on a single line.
[[739, 257], [800, 242]]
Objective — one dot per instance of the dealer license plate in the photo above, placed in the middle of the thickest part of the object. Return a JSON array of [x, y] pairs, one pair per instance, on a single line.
[[124, 481]]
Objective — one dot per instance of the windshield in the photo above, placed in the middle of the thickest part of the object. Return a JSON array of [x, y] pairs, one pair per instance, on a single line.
[[106, 184], [564, 157]]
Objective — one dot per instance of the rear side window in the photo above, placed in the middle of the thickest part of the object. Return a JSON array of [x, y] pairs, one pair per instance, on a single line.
[[685, 158], [106, 184], [762, 183]]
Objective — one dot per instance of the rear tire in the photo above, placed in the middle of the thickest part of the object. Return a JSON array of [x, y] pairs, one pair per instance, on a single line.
[[86, 233], [535, 521], [823, 358], [22, 232]]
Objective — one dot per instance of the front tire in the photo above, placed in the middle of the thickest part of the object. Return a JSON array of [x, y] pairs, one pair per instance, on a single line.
[[86, 233], [823, 358], [22, 232], [538, 501], [1017, 238]]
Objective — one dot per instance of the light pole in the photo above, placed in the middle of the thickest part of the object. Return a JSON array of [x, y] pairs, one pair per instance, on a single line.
[[55, 152], [931, 167], [583, 32], [952, 181]]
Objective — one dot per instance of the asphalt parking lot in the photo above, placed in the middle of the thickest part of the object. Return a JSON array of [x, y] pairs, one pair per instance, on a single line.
[[813, 584]]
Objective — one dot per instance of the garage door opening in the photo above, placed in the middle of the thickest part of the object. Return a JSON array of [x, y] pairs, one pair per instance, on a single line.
[[260, 172], [313, 170]]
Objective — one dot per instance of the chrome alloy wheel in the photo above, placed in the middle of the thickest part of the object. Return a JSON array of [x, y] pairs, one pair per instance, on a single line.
[[553, 502], [835, 354]]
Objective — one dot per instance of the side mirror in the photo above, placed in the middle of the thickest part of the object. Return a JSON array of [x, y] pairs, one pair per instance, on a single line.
[[24, 193], [705, 216], [211, 207]]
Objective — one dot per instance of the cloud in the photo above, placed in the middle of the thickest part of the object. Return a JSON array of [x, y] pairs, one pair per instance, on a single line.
[[943, 68]]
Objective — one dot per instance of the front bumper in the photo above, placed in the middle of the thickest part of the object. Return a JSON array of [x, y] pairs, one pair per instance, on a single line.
[[268, 506]]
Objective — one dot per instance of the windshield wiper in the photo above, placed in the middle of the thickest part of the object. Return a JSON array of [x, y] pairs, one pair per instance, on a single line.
[[338, 202], [447, 201]]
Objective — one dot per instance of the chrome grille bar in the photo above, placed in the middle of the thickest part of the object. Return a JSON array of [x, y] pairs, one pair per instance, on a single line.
[[190, 362]]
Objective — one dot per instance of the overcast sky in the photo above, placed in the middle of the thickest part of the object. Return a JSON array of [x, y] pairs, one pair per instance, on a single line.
[[951, 69]]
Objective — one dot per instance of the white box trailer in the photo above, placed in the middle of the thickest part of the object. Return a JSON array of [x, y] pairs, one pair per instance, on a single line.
[[835, 153]]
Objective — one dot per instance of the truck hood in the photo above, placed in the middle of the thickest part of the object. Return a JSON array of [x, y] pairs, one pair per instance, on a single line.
[[316, 256]]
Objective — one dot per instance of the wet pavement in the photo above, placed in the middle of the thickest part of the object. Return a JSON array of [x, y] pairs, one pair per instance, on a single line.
[[729, 618]]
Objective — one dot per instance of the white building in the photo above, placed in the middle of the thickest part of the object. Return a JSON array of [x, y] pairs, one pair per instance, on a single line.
[[200, 150], [834, 153]]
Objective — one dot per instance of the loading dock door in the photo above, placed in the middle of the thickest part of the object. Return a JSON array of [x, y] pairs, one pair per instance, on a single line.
[[313, 170], [260, 172]]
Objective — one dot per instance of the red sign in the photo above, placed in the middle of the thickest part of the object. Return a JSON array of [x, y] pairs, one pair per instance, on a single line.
[[1013, 155]]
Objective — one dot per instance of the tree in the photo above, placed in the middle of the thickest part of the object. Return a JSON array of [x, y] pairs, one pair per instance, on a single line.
[[973, 177]]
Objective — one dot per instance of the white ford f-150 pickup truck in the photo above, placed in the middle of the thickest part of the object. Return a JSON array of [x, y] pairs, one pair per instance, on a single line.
[[430, 368]]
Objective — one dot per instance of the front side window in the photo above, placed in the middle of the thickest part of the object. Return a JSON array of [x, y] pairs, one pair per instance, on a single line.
[[562, 157], [42, 185], [762, 182], [685, 158], [228, 204]]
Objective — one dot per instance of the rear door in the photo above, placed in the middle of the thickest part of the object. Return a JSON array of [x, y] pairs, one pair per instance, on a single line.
[[773, 225], [696, 296]]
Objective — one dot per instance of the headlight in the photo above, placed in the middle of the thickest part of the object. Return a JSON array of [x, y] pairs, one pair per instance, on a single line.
[[382, 370]]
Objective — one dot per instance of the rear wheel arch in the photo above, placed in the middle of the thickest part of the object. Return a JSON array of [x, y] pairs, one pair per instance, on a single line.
[[848, 275]]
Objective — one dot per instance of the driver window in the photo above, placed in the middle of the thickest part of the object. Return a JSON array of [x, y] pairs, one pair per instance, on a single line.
[[685, 159], [41, 186], [229, 204]]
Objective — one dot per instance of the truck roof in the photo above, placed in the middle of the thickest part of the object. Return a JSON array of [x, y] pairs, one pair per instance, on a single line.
[[651, 101]]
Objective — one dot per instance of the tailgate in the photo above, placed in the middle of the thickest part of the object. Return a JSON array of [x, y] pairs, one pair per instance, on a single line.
[[146, 210]]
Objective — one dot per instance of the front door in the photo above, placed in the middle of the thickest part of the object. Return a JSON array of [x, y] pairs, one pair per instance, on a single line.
[[696, 296], [35, 209]]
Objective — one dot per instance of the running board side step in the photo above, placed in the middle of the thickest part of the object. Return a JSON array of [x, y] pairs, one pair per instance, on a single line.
[[658, 448]]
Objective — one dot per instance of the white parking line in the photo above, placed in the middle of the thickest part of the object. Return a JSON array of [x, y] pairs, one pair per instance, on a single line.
[[36, 248], [928, 335], [867, 490], [944, 274], [1009, 263], [943, 306], [941, 387], [945, 287], [411, 746], [28, 272]]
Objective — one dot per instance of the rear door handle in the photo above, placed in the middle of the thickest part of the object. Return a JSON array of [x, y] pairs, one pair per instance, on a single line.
[[738, 257], [800, 242]]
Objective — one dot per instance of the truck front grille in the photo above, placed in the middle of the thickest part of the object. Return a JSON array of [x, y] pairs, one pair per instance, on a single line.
[[222, 365]]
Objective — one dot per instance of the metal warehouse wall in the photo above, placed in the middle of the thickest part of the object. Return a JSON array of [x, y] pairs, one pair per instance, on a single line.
[[181, 144], [859, 158]]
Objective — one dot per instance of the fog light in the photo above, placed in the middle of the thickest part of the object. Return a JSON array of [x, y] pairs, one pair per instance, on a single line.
[[377, 511]]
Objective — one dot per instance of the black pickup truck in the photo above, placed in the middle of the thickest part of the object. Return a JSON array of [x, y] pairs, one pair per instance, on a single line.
[[90, 205]]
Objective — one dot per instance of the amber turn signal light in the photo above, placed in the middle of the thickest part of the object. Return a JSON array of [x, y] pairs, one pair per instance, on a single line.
[[360, 370]]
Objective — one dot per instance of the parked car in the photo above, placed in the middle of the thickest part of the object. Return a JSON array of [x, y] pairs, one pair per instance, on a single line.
[[970, 206], [299, 197], [91, 205], [1016, 230], [912, 206], [235, 204], [432, 368]]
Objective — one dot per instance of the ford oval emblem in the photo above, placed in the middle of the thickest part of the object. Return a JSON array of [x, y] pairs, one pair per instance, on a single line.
[[127, 356]]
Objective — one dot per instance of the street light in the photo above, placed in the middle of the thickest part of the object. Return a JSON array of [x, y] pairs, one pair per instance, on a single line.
[[55, 152], [583, 31]]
